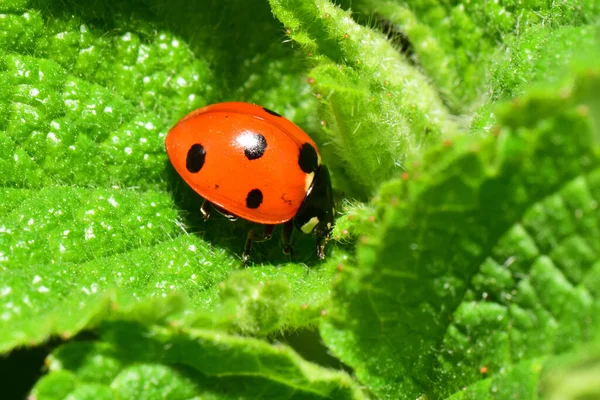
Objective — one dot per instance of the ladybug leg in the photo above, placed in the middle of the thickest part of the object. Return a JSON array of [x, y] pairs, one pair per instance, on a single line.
[[224, 213], [254, 236], [288, 229], [321, 242], [205, 209]]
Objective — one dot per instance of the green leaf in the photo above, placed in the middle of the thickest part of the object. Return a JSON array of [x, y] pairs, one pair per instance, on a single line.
[[539, 57], [519, 380], [79, 259], [484, 258], [457, 43], [148, 363], [377, 109], [571, 376]]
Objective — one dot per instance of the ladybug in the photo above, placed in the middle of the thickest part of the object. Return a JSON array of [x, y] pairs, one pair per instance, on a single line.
[[249, 162]]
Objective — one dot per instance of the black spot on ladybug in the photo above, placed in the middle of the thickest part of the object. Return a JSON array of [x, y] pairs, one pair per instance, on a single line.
[[271, 112], [254, 198], [195, 158], [216, 186], [308, 158], [254, 144]]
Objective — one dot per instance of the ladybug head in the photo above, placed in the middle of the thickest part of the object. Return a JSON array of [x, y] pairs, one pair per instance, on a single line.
[[316, 212]]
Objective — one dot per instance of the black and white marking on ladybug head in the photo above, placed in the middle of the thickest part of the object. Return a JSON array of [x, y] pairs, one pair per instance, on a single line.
[[254, 144], [254, 198], [316, 214], [271, 112], [309, 225], [195, 158]]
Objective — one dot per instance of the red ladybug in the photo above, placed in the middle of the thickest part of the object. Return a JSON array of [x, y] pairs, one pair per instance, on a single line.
[[252, 163]]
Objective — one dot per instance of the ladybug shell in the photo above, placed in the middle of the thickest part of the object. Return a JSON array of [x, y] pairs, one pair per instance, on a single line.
[[246, 159]]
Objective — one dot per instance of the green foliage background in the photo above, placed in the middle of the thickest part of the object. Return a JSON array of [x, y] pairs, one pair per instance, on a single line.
[[464, 142]]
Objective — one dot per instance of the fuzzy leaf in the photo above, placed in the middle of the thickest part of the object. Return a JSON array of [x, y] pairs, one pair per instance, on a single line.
[[457, 43], [377, 109], [572, 376], [149, 363], [484, 258]]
